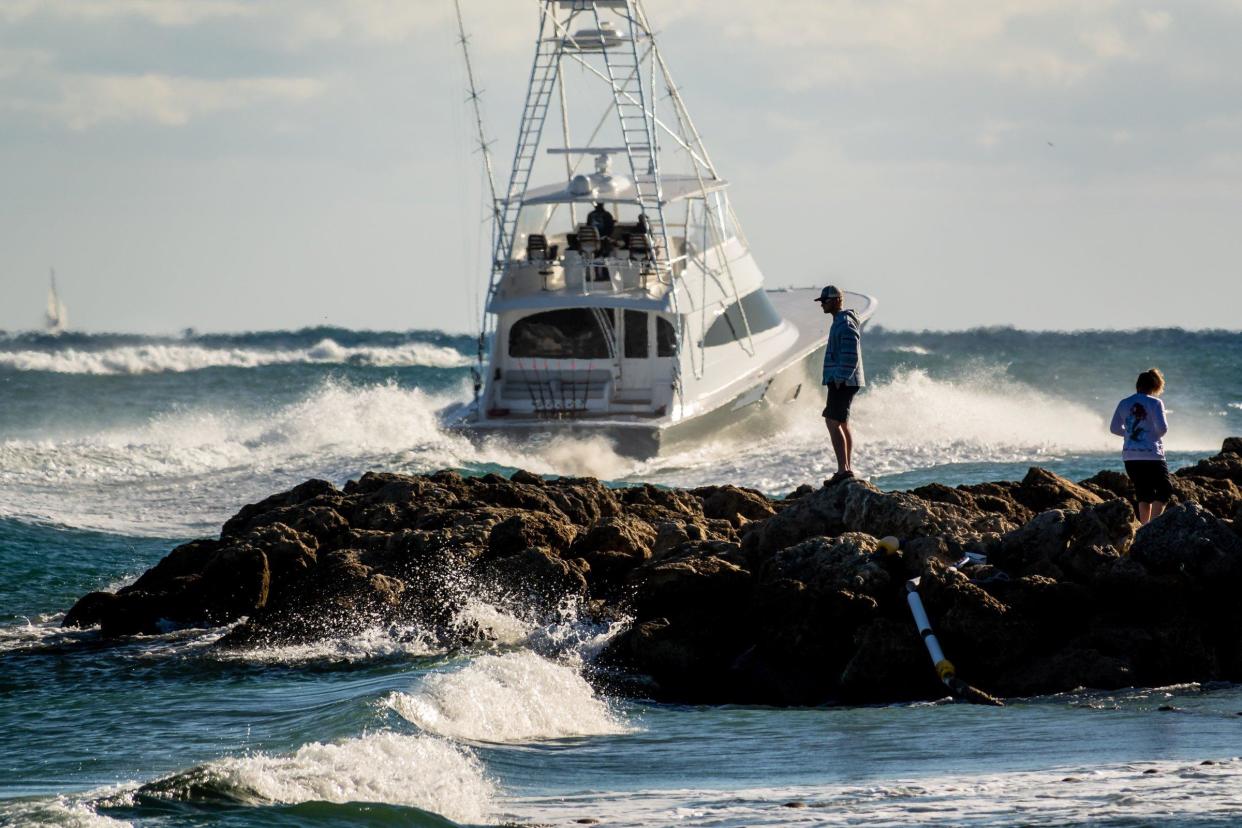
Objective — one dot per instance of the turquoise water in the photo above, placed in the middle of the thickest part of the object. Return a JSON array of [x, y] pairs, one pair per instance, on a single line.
[[114, 449]]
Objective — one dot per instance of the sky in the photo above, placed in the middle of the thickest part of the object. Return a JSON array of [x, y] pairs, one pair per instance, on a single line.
[[228, 165]]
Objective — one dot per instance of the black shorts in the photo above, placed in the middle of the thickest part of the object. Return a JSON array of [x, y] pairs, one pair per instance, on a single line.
[[1151, 480], [840, 397]]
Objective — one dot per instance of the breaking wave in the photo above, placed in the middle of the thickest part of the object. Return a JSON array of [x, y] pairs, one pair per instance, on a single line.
[[155, 358], [189, 469], [512, 698], [909, 421], [419, 771]]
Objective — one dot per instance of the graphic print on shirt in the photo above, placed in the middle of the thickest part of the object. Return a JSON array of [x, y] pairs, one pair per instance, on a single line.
[[1134, 423]]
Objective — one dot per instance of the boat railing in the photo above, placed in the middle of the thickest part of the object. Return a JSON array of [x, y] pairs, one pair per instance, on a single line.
[[553, 392]]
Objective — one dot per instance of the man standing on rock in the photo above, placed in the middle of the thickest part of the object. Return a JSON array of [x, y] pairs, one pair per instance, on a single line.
[[843, 374]]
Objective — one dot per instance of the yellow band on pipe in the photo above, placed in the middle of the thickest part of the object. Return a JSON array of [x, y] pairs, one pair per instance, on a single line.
[[945, 669]]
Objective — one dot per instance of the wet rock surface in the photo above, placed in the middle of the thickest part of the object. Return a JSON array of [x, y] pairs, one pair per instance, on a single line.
[[733, 597]]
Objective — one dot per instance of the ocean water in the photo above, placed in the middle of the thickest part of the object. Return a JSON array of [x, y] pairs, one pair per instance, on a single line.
[[113, 448]]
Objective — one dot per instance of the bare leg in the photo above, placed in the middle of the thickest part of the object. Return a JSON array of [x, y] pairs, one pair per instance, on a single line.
[[1144, 513], [840, 445], [849, 446], [1157, 509]]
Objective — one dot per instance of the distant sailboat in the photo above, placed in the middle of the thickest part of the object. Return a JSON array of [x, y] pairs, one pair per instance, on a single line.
[[57, 318]]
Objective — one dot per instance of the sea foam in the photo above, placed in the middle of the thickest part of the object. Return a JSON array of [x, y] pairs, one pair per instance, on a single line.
[[1149, 793], [175, 358], [512, 698], [910, 421], [422, 771], [134, 479]]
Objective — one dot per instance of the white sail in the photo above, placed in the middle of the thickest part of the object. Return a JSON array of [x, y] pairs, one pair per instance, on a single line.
[[56, 316]]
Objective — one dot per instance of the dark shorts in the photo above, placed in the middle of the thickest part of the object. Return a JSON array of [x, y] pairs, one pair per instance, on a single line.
[[1151, 480], [840, 397]]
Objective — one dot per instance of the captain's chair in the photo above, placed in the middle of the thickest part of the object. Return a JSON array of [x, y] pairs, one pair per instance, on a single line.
[[536, 247], [588, 240], [637, 244]]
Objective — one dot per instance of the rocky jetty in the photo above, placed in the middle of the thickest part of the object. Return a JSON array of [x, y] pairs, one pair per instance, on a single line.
[[731, 596]]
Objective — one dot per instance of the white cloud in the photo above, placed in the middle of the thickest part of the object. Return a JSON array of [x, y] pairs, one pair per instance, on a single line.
[[1053, 42], [88, 101], [1156, 21], [160, 12]]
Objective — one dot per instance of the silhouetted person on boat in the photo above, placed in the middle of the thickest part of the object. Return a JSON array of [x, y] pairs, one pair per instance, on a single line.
[[1140, 419], [601, 220], [843, 374]]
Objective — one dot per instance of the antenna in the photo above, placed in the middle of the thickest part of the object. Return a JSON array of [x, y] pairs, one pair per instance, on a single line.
[[485, 146]]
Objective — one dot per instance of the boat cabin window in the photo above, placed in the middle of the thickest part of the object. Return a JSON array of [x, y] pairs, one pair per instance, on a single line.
[[666, 338], [571, 333], [636, 346], [729, 327]]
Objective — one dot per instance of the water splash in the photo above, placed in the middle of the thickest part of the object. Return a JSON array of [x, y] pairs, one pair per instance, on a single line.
[[512, 698], [421, 771]]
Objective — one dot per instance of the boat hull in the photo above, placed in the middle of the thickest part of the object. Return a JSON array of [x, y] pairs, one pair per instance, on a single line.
[[755, 410]]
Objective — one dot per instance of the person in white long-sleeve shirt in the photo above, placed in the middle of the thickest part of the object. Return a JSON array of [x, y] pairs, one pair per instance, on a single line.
[[1141, 421]]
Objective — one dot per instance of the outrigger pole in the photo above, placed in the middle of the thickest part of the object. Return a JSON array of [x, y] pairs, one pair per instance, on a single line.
[[485, 147]]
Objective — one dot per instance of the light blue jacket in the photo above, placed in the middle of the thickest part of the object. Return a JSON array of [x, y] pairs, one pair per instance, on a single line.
[[1141, 420], [843, 360]]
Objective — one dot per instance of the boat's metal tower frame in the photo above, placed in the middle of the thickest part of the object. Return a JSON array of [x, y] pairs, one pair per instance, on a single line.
[[634, 106]]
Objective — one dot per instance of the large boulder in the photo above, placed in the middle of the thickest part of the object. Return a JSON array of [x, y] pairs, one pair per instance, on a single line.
[[1189, 540], [1227, 465], [1060, 544], [1042, 490], [615, 545], [525, 530], [248, 515], [736, 505], [858, 506]]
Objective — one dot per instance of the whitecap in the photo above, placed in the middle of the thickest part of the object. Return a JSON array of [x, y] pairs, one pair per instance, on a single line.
[[368, 645], [177, 358], [512, 698], [60, 811], [420, 771]]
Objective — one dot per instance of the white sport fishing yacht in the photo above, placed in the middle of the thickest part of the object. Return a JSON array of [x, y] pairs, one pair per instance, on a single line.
[[624, 300]]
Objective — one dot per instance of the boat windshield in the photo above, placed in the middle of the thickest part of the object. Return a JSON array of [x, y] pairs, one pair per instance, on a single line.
[[568, 333]]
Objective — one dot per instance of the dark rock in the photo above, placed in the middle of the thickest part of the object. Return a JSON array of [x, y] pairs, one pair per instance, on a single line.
[[855, 505], [890, 663], [615, 545], [736, 505], [90, 609], [698, 579], [732, 597], [1188, 539], [1067, 669], [1042, 490], [298, 494], [1220, 496], [523, 476], [1224, 466], [536, 576], [1110, 484], [529, 529]]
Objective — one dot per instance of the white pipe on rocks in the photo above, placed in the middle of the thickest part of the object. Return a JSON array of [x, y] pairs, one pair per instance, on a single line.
[[944, 667]]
